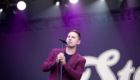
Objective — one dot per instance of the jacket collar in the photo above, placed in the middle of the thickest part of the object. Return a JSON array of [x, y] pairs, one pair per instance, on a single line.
[[73, 58]]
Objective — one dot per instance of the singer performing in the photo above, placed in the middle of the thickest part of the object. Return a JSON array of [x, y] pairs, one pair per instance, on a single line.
[[72, 62]]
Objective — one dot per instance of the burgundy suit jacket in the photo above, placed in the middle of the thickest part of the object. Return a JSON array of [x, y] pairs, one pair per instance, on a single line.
[[72, 70]]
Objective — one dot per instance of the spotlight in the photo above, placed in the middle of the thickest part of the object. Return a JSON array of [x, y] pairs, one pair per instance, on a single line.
[[57, 3], [21, 5], [1, 10], [73, 1]]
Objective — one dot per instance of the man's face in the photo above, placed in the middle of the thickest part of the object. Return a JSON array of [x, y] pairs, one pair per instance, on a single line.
[[73, 39]]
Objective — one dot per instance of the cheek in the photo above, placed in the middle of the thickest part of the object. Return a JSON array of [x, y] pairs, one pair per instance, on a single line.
[[66, 39], [75, 41]]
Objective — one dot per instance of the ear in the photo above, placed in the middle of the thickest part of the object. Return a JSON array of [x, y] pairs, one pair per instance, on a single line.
[[79, 41]]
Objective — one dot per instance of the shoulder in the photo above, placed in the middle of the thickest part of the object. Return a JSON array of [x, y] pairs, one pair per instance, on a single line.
[[55, 51], [81, 58]]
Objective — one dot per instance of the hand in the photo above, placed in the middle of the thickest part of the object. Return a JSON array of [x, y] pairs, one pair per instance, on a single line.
[[61, 58]]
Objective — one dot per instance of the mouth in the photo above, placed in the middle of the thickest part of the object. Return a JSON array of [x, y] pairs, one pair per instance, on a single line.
[[69, 42]]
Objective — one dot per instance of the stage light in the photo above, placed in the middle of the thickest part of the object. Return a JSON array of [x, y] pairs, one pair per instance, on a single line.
[[15, 12], [73, 1], [57, 3], [21, 5], [1, 10]]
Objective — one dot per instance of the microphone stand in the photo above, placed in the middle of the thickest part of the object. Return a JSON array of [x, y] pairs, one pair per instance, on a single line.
[[63, 41], [61, 64]]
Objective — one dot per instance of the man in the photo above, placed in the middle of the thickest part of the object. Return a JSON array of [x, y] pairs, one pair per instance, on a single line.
[[73, 63]]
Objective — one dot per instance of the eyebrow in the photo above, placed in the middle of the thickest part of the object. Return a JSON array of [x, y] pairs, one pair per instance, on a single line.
[[72, 36]]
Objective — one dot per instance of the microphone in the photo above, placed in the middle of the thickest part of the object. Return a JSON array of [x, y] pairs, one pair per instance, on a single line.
[[63, 41]]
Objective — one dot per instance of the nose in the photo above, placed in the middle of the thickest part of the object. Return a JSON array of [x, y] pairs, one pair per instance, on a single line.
[[70, 38]]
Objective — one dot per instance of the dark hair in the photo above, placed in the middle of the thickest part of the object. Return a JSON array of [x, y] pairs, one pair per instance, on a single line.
[[79, 35]]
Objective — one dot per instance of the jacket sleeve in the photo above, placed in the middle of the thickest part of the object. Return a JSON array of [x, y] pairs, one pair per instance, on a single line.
[[50, 63], [75, 74]]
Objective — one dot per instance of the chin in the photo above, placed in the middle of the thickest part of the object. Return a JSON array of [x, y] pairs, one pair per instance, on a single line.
[[70, 46]]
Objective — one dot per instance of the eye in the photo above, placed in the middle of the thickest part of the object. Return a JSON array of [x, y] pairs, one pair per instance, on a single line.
[[73, 37], [68, 36]]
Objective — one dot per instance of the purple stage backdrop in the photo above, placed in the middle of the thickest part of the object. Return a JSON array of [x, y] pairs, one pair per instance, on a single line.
[[111, 50]]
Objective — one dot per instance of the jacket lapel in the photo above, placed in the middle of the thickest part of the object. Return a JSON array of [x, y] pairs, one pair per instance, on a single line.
[[72, 59]]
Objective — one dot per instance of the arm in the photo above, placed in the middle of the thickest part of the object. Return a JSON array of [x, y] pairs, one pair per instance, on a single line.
[[50, 63], [77, 73]]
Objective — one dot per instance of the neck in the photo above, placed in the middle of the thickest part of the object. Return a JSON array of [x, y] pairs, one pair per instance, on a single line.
[[70, 51]]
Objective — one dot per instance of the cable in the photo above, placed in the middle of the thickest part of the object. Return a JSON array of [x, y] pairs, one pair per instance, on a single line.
[[57, 60]]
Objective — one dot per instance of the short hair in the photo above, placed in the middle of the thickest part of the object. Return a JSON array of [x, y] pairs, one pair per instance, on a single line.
[[79, 35]]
